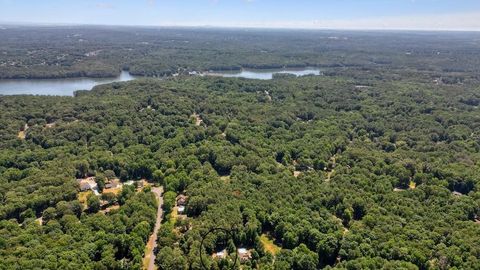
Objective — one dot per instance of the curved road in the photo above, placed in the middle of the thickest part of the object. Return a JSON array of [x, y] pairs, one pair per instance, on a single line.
[[149, 259]]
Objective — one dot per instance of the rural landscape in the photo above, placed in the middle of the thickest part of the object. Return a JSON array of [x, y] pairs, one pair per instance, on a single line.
[[218, 148]]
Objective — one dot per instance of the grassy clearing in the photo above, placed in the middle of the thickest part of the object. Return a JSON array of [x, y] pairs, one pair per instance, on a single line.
[[269, 245], [115, 191], [174, 215], [82, 197], [412, 185], [21, 135], [225, 179]]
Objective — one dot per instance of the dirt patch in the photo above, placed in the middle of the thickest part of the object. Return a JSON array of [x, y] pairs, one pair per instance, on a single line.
[[296, 173], [198, 119], [237, 193], [23, 133]]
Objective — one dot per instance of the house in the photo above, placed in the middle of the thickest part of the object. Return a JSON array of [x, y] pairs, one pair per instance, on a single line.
[[181, 209], [115, 183], [129, 183], [51, 125], [88, 184], [244, 255], [182, 200], [220, 255], [84, 186]]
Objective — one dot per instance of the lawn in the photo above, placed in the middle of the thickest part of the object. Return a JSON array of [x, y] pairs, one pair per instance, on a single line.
[[115, 191]]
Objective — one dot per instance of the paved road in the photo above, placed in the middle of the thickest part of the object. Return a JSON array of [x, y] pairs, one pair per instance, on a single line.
[[149, 259]]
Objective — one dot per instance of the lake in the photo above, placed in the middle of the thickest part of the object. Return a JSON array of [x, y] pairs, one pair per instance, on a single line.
[[266, 74], [66, 87], [56, 87]]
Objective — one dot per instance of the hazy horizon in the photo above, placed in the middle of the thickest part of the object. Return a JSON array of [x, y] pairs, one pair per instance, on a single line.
[[427, 15], [40, 24]]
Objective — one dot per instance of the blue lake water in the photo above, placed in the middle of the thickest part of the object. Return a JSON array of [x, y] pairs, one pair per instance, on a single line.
[[56, 87], [67, 86], [266, 74]]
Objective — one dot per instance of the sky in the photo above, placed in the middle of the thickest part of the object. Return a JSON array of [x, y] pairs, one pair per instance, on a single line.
[[308, 14]]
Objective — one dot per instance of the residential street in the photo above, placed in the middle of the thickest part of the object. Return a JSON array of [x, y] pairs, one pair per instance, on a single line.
[[149, 259]]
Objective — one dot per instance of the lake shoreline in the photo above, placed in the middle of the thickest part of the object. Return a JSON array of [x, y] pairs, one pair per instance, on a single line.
[[57, 87], [68, 86], [136, 74], [266, 74]]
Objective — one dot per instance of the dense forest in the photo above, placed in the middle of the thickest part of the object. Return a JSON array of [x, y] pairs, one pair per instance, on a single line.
[[311, 172], [373, 165], [56, 52]]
